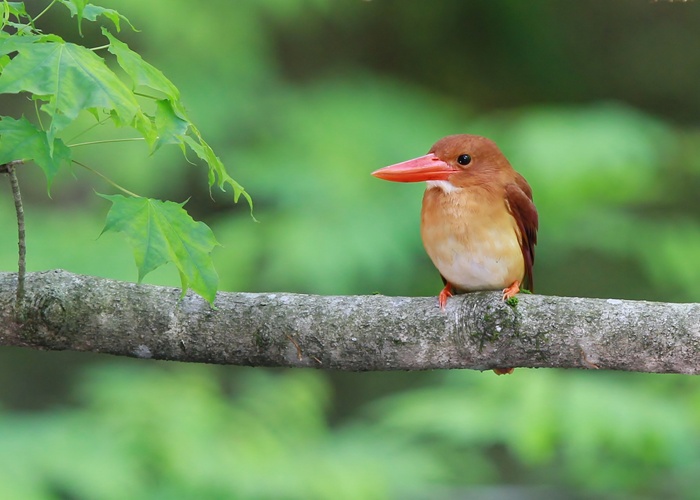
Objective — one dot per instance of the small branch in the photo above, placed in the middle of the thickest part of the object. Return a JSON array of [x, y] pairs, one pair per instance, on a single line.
[[9, 169], [354, 333]]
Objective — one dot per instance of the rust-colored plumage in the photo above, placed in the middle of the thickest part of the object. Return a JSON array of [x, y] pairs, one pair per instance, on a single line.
[[478, 221]]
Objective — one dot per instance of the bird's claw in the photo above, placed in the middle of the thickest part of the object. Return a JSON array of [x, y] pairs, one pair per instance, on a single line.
[[444, 295], [511, 291]]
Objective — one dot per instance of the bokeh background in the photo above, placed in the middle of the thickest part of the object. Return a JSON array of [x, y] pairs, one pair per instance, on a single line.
[[595, 102]]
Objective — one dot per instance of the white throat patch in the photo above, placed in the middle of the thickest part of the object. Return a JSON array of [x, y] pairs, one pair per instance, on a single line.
[[445, 186]]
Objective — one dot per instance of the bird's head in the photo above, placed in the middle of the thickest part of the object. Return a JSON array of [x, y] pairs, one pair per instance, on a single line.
[[454, 159]]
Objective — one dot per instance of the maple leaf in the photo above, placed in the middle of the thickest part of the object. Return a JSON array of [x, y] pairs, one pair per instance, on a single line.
[[20, 140], [70, 78], [162, 232]]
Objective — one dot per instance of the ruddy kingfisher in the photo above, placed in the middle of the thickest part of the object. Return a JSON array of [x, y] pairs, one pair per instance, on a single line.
[[478, 221]]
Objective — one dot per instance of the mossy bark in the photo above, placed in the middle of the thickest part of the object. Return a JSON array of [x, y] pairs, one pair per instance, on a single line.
[[359, 333]]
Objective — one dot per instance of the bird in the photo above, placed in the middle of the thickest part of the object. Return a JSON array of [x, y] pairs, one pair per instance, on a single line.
[[478, 220]]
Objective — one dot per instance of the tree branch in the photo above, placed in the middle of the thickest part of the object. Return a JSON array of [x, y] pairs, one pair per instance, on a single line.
[[478, 331]]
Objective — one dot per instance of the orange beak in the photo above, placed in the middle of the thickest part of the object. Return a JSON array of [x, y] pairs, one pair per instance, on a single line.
[[423, 168]]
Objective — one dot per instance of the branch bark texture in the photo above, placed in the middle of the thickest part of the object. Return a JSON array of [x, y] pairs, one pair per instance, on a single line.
[[359, 333]]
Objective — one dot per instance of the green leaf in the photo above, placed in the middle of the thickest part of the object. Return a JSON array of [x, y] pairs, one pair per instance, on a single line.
[[76, 7], [172, 123], [20, 140], [170, 128], [162, 232], [140, 72], [19, 13], [12, 43], [83, 10], [217, 172], [72, 78], [15, 9]]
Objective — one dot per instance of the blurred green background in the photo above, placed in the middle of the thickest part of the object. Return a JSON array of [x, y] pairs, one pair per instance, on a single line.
[[596, 103]]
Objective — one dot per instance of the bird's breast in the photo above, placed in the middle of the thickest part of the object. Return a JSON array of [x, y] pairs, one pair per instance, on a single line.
[[471, 237]]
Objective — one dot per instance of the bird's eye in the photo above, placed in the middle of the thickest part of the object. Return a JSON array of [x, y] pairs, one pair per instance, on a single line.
[[464, 159]]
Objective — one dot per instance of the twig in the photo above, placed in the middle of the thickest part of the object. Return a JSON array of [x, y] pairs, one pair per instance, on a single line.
[[9, 169]]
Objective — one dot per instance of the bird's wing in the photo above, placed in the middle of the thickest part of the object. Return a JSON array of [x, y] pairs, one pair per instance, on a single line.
[[521, 207]]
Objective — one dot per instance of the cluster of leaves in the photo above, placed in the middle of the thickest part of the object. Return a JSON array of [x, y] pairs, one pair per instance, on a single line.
[[65, 80]]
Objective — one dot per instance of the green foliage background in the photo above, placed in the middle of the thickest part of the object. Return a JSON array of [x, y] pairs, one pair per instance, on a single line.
[[594, 102]]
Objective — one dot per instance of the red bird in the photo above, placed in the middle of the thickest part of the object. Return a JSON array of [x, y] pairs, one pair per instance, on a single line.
[[478, 222]]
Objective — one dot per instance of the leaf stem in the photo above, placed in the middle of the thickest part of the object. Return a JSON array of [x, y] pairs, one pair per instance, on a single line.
[[105, 141], [44, 11], [100, 122], [107, 179], [9, 169], [5, 17], [95, 49], [38, 114], [141, 94]]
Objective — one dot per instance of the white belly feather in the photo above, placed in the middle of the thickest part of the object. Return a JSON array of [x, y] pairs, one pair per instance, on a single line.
[[484, 264], [475, 245]]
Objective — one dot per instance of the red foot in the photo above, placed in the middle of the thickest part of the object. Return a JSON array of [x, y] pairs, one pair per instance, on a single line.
[[511, 291], [503, 371], [444, 294]]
